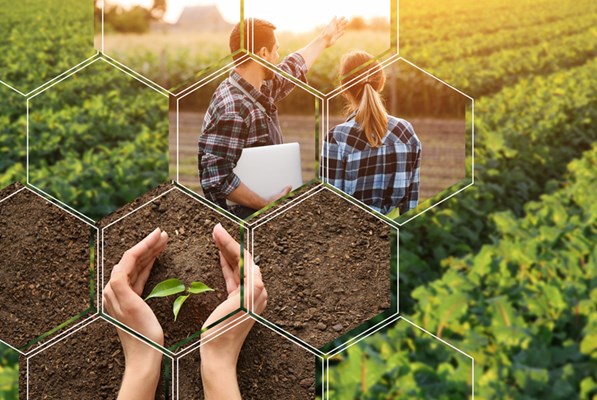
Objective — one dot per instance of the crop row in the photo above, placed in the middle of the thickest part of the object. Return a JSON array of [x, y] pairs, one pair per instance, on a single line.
[[484, 75], [45, 39], [99, 180], [422, 23], [479, 44], [525, 136], [525, 306]]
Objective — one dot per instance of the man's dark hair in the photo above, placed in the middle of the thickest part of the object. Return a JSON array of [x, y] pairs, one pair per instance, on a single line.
[[262, 32]]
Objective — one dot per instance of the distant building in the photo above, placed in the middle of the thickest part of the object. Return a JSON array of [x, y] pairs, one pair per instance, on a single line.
[[202, 19]]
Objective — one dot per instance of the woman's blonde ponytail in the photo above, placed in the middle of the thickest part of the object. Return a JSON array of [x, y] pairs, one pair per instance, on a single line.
[[372, 115], [364, 97]]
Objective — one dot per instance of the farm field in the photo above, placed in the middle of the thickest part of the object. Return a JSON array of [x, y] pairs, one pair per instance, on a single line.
[[504, 271], [174, 60]]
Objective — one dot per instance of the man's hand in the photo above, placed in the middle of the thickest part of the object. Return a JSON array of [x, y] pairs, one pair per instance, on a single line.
[[122, 301], [334, 30], [219, 356], [278, 196], [330, 35], [246, 197]]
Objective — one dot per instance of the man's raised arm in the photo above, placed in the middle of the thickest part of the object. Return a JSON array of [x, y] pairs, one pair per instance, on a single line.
[[332, 32]]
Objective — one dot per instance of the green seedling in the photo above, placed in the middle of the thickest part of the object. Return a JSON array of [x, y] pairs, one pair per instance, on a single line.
[[174, 286]]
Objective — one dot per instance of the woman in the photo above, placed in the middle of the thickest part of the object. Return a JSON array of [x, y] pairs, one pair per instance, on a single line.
[[373, 156]]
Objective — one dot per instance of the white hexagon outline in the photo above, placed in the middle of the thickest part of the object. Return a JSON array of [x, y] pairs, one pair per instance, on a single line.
[[239, 321], [44, 85], [468, 181], [86, 64], [222, 71], [131, 70], [54, 337], [117, 326], [390, 52], [393, 320], [297, 340], [105, 315]]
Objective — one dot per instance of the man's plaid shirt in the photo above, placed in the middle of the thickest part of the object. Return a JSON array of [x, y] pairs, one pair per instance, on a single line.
[[384, 178], [234, 121]]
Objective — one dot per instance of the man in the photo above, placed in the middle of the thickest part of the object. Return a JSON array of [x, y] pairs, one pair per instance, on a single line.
[[243, 113]]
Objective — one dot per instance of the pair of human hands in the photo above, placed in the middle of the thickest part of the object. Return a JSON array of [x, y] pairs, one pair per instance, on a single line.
[[123, 302]]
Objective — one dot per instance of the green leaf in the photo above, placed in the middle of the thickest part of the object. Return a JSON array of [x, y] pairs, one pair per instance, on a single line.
[[178, 303], [166, 288], [199, 287]]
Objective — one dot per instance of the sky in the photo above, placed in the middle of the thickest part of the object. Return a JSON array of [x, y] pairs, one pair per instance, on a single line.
[[310, 14]]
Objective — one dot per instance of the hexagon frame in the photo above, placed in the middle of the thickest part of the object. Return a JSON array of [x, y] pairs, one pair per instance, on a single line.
[[63, 77], [180, 347], [251, 224], [65, 328], [175, 91], [386, 315], [464, 184], [117, 325], [391, 52], [222, 71], [225, 328], [387, 322]]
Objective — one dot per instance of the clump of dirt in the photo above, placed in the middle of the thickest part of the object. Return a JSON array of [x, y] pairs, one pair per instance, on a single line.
[[190, 256], [326, 267], [269, 367], [45, 267], [86, 365]]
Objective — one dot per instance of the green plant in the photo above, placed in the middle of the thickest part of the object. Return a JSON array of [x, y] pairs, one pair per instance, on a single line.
[[9, 373], [174, 286]]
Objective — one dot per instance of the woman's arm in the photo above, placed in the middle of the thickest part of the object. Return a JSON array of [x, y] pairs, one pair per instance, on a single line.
[[219, 354]]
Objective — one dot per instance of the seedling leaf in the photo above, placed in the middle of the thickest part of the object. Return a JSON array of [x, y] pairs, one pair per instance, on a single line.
[[199, 287], [178, 303], [167, 288]]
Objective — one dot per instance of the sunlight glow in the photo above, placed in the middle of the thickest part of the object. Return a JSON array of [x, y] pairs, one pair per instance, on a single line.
[[306, 16]]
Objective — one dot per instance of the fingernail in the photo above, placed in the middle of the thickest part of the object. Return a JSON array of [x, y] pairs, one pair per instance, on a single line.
[[213, 233]]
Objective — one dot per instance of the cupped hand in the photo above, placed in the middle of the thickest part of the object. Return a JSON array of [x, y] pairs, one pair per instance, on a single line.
[[219, 353], [123, 302], [122, 294]]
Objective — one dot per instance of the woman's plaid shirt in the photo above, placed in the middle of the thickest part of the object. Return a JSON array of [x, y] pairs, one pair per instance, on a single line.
[[384, 178]]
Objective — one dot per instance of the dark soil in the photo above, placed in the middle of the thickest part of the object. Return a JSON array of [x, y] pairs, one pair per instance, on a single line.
[[326, 267], [190, 256], [284, 203], [87, 365], [45, 271], [269, 367]]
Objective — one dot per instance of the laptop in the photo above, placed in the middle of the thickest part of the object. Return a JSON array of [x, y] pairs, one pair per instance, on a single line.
[[266, 170]]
